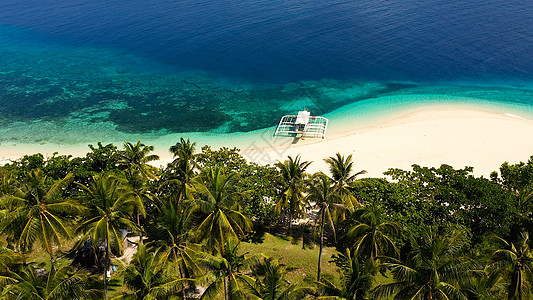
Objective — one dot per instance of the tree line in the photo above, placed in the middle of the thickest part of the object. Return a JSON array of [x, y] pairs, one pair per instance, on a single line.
[[425, 233]]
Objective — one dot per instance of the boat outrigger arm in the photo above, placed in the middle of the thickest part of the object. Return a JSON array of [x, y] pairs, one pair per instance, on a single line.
[[302, 124]]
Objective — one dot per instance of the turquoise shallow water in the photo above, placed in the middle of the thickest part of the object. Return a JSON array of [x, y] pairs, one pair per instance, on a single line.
[[56, 91]]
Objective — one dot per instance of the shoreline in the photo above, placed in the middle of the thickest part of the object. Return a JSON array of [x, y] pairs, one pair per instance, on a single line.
[[428, 135]]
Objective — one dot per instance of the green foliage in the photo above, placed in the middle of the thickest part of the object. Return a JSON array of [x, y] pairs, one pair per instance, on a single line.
[[438, 218], [61, 283], [151, 276], [355, 283], [101, 158], [372, 235], [433, 269], [136, 158], [255, 182], [515, 261], [227, 271], [443, 196], [292, 180], [341, 170], [270, 283], [516, 177], [37, 212], [217, 202]]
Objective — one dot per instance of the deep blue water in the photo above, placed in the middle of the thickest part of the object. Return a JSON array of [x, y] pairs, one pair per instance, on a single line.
[[160, 65], [284, 40]]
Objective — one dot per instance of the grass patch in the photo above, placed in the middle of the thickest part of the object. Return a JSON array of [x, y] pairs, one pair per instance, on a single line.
[[300, 263]]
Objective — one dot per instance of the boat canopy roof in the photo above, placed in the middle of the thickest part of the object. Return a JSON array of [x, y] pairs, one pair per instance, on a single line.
[[302, 124]]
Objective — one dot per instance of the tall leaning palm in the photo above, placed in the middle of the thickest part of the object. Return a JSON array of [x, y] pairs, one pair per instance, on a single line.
[[171, 236], [341, 169], [218, 201], [323, 194], [373, 235], [183, 166], [432, 270], [227, 272], [136, 157], [38, 212], [355, 283], [61, 283], [110, 210], [293, 176], [270, 283], [137, 185], [516, 261], [151, 276]]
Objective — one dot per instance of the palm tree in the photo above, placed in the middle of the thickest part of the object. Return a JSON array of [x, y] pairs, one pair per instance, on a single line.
[[171, 236], [484, 284], [60, 283], [9, 261], [292, 176], [137, 157], [184, 150], [38, 212], [355, 284], [270, 283], [227, 271], [111, 207], [341, 169], [325, 197], [184, 165], [516, 260], [523, 216], [432, 270], [136, 184], [151, 276], [217, 200], [373, 235]]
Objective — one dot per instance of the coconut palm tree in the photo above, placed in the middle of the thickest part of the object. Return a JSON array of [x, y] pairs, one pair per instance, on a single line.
[[484, 284], [341, 169], [110, 209], [136, 184], [227, 272], [355, 284], [322, 192], [9, 261], [372, 235], [136, 157], [151, 276], [292, 178], [184, 151], [217, 200], [172, 237], [516, 261], [38, 212], [58, 283], [432, 270], [183, 167], [270, 283]]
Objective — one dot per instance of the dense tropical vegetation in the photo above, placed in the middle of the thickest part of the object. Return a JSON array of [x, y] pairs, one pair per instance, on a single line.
[[110, 225]]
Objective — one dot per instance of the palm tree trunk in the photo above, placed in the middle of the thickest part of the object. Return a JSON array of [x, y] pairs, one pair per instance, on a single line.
[[140, 229], [52, 260], [183, 289], [290, 222], [106, 265], [322, 217], [226, 288]]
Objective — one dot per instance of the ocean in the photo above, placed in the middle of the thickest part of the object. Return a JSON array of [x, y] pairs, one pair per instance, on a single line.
[[79, 71]]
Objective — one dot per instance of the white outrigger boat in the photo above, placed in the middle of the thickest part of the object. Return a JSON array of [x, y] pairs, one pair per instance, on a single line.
[[302, 124]]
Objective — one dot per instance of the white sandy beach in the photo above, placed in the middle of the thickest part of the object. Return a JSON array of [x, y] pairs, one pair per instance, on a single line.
[[428, 136]]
